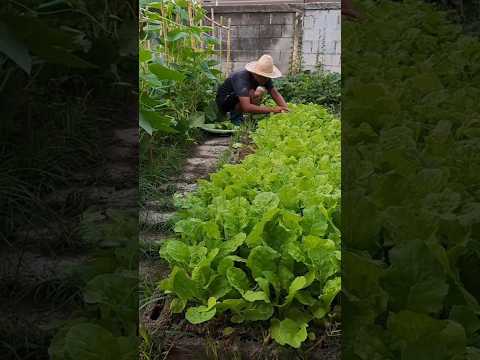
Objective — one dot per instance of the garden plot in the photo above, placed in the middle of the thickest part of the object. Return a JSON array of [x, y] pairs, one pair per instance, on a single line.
[[274, 213]]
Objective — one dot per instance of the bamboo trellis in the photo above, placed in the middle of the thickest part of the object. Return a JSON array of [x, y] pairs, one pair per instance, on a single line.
[[223, 33], [220, 30]]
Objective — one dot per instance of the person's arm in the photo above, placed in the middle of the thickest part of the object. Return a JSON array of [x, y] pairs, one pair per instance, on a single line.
[[241, 88], [278, 98], [248, 107]]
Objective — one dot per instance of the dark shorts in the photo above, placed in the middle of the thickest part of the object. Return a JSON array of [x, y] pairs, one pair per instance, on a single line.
[[227, 103]]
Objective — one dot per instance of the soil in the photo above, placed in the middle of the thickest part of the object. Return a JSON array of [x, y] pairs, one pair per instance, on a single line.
[[243, 152], [176, 339]]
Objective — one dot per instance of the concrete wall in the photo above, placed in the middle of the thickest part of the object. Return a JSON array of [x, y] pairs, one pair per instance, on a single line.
[[293, 34], [257, 33], [321, 41]]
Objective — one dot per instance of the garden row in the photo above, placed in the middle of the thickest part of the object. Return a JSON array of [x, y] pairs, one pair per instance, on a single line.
[[260, 240]]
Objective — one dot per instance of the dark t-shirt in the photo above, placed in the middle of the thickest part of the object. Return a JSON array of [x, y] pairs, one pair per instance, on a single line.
[[239, 83]]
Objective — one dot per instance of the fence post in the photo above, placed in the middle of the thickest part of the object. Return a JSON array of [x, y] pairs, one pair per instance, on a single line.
[[295, 62]]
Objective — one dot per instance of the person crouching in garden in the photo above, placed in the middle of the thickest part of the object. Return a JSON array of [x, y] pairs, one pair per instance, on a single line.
[[243, 90]]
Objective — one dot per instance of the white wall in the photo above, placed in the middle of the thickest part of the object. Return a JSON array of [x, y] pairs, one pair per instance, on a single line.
[[321, 42]]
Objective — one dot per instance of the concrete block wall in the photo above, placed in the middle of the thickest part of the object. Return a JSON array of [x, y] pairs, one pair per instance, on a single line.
[[257, 33], [271, 29]]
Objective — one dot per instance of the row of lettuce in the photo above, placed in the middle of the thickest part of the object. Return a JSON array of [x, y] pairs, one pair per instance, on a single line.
[[260, 241]]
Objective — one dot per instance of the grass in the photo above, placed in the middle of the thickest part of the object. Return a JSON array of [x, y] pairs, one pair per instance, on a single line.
[[54, 125], [53, 120], [166, 162], [160, 162]]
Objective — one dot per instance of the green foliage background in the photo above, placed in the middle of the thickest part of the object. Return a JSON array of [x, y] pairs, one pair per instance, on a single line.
[[178, 79], [410, 185], [68, 75], [318, 87], [66, 71]]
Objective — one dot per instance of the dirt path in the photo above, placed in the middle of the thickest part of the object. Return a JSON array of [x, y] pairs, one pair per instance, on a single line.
[[155, 216]]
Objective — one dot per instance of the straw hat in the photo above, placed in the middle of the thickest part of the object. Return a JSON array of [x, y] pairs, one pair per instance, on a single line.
[[264, 67]]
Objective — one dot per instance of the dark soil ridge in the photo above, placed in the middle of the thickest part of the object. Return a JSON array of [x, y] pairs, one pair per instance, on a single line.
[[176, 339]]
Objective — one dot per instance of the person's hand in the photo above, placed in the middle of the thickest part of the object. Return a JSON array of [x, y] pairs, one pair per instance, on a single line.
[[276, 109], [284, 108]]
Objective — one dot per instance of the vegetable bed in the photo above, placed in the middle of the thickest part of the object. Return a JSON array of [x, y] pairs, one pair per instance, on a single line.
[[260, 241]]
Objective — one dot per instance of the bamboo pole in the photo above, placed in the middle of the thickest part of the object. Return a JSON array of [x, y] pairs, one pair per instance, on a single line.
[[190, 22], [201, 39], [216, 23], [213, 27], [220, 38], [229, 38], [178, 22], [164, 30]]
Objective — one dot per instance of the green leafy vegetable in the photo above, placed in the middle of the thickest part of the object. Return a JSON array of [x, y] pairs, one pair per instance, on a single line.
[[289, 332], [261, 251]]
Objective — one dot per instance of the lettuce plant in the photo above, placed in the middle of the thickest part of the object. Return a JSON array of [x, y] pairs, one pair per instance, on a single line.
[[260, 240]]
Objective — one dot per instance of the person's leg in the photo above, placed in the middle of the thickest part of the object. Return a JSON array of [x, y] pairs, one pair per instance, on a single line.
[[256, 96], [236, 115], [231, 106]]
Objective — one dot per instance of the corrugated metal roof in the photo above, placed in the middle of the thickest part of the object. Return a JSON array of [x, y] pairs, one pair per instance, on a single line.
[[231, 4], [250, 2]]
